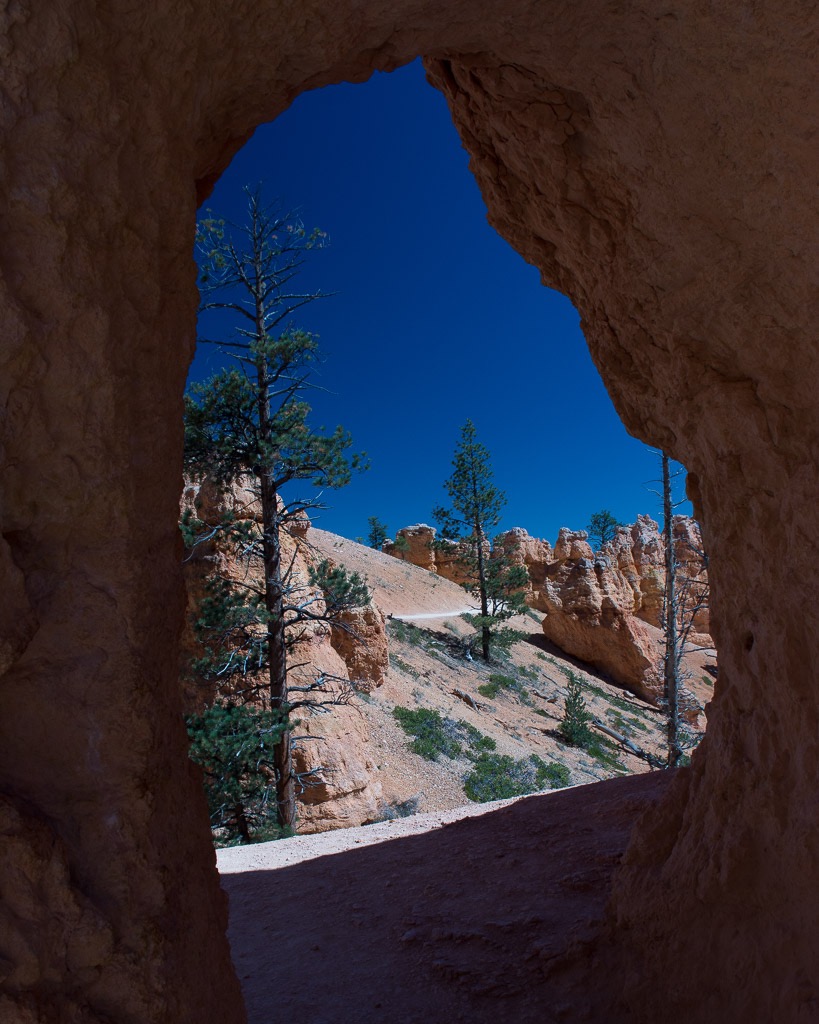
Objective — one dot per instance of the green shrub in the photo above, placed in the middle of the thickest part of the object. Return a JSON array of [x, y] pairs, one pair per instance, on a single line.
[[552, 772], [498, 682], [574, 727], [499, 776], [478, 742], [433, 734]]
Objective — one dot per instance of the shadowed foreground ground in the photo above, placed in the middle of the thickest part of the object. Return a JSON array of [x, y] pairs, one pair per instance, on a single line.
[[488, 919]]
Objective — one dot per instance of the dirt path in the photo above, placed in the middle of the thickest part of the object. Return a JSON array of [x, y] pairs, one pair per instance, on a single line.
[[494, 917], [453, 614], [266, 856]]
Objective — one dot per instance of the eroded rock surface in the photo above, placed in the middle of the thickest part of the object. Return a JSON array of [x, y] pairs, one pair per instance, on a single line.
[[606, 609], [657, 166], [418, 550], [428, 551], [360, 640], [336, 788], [585, 606]]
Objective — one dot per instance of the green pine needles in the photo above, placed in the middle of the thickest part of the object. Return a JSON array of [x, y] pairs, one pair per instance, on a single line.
[[235, 745], [574, 727], [475, 512], [248, 428]]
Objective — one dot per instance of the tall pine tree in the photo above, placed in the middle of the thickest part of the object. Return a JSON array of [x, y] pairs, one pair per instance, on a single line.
[[248, 425], [475, 512]]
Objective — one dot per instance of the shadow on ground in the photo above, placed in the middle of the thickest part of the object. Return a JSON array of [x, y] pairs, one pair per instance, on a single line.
[[495, 918]]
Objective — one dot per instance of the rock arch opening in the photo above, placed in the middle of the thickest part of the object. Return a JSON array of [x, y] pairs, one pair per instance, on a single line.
[[675, 151], [432, 320]]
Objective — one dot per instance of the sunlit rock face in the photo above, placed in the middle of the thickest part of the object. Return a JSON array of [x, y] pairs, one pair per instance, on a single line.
[[607, 609], [336, 788], [656, 166]]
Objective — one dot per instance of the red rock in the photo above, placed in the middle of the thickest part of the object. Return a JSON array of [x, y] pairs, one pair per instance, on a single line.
[[654, 168], [588, 614], [361, 642], [343, 793], [419, 549]]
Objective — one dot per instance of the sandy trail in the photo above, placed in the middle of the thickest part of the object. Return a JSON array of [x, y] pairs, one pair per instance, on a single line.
[[266, 856], [497, 916], [453, 614]]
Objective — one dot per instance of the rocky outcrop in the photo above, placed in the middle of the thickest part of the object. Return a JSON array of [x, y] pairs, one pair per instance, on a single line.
[[652, 163], [584, 604], [572, 545], [337, 789], [607, 609], [417, 546], [449, 560], [360, 639], [336, 785], [536, 555], [423, 548]]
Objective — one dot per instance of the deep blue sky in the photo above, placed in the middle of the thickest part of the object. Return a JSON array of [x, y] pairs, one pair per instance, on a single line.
[[435, 319]]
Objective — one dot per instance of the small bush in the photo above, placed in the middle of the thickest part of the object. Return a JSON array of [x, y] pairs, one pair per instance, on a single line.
[[555, 774], [574, 727], [396, 809], [433, 734], [498, 682], [499, 776], [477, 741]]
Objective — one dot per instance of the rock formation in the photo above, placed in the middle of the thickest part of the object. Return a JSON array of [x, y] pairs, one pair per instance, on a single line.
[[536, 555], [589, 615], [606, 609], [655, 165], [360, 640], [338, 790], [424, 549], [418, 550]]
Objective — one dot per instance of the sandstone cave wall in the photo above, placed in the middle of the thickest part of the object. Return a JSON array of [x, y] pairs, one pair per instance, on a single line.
[[655, 163]]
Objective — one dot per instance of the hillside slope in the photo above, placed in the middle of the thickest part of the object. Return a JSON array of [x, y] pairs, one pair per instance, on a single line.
[[517, 703]]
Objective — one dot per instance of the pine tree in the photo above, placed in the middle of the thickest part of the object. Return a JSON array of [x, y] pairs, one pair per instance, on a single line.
[[475, 511], [378, 532], [248, 425], [602, 528], [574, 726], [235, 746]]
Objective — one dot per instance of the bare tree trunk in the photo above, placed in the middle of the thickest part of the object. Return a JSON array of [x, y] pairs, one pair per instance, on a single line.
[[242, 826], [277, 654], [485, 631], [671, 660], [274, 597]]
